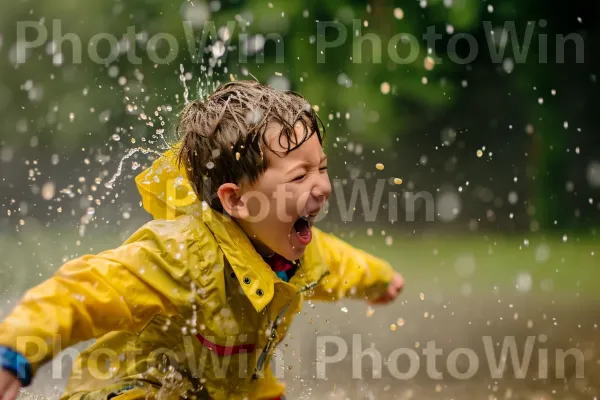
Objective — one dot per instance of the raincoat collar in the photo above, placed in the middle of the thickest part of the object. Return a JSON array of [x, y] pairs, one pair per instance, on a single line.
[[254, 274]]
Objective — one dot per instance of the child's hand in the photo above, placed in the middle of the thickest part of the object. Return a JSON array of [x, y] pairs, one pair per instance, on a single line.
[[9, 385], [393, 290]]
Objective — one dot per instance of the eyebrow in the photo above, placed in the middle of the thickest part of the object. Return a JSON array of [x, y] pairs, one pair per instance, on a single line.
[[304, 164]]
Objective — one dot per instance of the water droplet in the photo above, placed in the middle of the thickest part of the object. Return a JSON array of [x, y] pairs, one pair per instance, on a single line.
[[542, 253], [524, 282], [429, 63], [385, 88], [48, 190]]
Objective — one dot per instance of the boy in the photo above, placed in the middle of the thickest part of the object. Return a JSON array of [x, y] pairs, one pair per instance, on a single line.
[[193, 303]]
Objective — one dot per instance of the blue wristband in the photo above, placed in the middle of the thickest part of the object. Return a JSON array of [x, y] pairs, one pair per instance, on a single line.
[[17, 364]]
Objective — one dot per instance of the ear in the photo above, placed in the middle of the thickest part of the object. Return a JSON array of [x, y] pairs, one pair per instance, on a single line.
[[231, 200]]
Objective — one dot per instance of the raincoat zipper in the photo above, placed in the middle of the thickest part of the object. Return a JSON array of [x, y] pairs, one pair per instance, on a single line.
[[273, 329]]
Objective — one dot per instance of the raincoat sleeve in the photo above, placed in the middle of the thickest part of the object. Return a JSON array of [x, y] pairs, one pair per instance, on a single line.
[[353, 273], [116, 290]]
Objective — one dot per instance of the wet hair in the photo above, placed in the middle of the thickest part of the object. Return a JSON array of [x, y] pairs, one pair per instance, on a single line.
[[222, 139]]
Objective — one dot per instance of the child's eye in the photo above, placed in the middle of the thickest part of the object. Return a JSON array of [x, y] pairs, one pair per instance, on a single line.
[[323, 168], [299, 178]]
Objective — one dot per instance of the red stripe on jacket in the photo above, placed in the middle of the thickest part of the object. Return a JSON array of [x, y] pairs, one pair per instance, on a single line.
[[226, 350]]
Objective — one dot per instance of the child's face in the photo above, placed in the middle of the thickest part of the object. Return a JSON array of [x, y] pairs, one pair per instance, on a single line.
[[278, 210]]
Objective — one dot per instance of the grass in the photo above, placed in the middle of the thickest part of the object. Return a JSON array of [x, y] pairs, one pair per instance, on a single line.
[[469, 265], [540, 266]]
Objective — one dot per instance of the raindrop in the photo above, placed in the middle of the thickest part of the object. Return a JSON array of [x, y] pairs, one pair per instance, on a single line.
[[448, 206], [48, 190], [113, 71], [448, 136], [429, 63], [524, 282], [385, 88], [542, 253], [197, 13], [508, 65], [279, 82], [593, 174]]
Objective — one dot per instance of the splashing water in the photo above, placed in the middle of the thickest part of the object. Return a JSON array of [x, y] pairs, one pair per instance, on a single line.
[[110, 183], [186, 91]]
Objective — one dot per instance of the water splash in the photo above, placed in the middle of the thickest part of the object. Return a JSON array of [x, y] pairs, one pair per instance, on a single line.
[[182, 78], [144, 150]]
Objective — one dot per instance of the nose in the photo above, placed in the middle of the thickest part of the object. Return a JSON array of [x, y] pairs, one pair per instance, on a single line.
[[321, 189]]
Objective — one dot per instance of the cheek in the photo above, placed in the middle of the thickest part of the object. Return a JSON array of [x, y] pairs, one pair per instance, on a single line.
[[258, 206], [299, 195]]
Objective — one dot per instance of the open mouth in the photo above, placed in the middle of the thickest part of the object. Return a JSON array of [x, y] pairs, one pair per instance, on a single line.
[[302, 229]]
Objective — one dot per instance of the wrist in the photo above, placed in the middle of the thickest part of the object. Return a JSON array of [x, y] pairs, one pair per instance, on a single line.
[[16, 364]]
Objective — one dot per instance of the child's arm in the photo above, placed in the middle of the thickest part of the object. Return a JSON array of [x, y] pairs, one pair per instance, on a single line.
[[353, 272], [117, 290]]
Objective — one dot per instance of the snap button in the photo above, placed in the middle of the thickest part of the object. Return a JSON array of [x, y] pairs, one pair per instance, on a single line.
[[233, 275], [260, 292], [247, 280]]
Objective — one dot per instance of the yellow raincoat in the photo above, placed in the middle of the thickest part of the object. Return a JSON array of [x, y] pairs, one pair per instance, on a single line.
[[185, 303]]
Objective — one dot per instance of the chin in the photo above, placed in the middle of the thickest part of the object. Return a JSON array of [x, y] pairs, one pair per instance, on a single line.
[[290, 253]]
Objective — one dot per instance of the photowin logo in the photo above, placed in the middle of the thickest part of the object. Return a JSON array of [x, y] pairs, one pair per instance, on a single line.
[[217, 42]]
